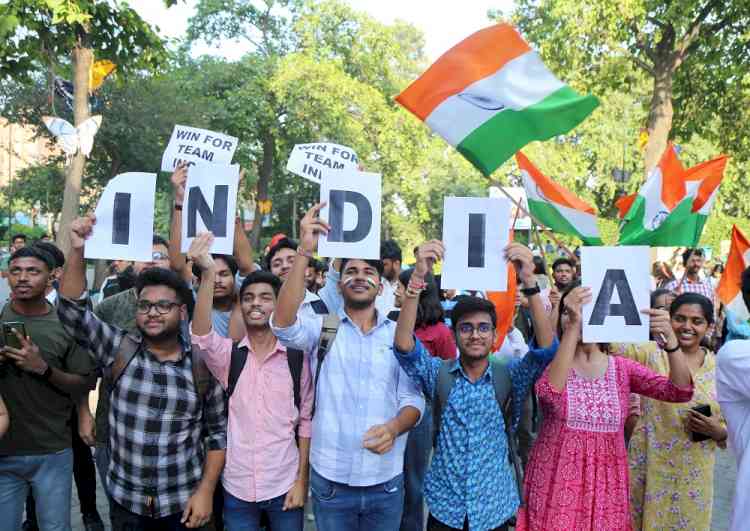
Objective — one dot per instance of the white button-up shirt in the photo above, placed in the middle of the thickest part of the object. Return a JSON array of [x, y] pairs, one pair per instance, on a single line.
[[361, 385]]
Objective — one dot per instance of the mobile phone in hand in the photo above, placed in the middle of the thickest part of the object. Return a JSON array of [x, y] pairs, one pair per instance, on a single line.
[[10, 339], [705, 410]]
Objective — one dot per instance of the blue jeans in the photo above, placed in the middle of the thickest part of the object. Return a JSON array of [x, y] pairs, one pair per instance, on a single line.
[[240, 515], [50, 478], [339, 507], [416, 461]]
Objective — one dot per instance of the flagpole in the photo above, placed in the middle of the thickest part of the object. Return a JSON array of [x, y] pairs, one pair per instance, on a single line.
[[541, 247], [549, 233]]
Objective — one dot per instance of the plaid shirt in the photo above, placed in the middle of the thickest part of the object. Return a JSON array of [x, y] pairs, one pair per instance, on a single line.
[[157, 428], [702, 287]]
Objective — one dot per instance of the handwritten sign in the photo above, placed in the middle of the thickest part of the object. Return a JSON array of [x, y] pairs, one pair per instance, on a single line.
[[312, 161], [196, 146]]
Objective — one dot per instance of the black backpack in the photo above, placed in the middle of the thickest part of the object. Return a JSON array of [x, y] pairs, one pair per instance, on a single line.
[[294, 358]]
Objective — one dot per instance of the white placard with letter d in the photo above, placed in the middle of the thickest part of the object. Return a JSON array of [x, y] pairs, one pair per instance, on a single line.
[[124, 219], [475, 233], [353, 211], [620, 288]]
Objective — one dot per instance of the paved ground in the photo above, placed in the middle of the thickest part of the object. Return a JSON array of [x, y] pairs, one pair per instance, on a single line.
[[724, 478]]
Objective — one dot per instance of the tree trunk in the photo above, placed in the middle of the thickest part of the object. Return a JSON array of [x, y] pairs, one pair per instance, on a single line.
[[101, 270], [264, 177], [82, 58], [660, 114]]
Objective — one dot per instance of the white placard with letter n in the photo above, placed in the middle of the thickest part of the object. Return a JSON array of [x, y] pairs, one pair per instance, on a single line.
[[210, 204]]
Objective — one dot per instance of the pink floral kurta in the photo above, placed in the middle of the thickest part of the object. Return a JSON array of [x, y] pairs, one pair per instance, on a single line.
[[577, 476]]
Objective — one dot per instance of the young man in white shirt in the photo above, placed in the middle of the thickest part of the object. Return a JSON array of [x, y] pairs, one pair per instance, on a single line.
[[733, 389], [364, 403]]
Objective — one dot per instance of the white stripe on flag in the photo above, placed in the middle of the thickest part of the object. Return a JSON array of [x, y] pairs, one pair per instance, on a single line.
[[520, 83], [583, 222]]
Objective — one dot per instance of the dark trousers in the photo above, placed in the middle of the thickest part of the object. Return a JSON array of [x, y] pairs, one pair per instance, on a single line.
[[436, 525], [84, 471], [218, 514], [124, 520]]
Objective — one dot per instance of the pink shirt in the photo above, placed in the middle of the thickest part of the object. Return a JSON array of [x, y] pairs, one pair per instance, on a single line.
[[262, 456]]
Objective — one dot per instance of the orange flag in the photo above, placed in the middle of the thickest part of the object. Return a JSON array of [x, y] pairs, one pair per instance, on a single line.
[[505, 306], [729, 290]]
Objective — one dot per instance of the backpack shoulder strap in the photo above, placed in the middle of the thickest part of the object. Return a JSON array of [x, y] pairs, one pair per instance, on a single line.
[[503, 387], [295, 359], [127, 350], [445, 381], [328, 332], [201, 374], [501, 381], [236, 364]]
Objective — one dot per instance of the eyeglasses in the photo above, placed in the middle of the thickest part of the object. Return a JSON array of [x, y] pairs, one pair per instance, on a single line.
[[159, 256], [467, 329], [162, 307]]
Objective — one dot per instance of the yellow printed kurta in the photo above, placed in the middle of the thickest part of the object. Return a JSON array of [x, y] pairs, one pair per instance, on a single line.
[[671, 477]]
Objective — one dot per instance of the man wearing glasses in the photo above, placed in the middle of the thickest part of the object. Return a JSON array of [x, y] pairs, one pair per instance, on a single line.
[[470, 483], [167, 432]]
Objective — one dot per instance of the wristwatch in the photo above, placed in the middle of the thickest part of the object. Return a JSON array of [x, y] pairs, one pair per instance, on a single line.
[[528, 292]]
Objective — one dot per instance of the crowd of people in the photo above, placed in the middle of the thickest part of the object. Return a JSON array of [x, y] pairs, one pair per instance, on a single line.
[[229, 391]]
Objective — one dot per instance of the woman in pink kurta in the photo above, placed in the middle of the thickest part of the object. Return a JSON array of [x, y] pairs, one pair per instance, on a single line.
[[577, 476]]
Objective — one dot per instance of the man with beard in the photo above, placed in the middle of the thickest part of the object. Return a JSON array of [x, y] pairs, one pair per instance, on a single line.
[[167, 422], [390, 254], [365, 404], [693, 260], [563, 276], [41, 370], [470, 483], [224, 275], [266, 470]]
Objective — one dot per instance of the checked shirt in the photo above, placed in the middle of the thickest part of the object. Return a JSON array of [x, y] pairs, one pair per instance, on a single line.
[[159, 432]]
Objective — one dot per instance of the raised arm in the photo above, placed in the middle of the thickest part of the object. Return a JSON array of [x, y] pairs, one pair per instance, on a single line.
[[176, 258], [73, 282], [200, 254], [243, 251], [427, 255], [293, 291], [523, 260], [661, 326], [561, 363]]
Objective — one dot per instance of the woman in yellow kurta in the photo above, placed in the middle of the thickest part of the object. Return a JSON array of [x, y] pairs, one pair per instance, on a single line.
[[671, 477]]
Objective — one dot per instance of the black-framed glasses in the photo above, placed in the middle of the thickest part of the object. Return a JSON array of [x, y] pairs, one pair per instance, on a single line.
[[467, 329], [162, 307]]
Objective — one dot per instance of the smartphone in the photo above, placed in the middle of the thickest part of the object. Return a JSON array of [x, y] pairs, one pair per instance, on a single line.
[[10, 339], [705, 410]]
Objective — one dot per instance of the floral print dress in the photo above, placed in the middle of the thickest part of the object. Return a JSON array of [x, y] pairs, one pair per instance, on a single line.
[[577, 476], [671, 477]]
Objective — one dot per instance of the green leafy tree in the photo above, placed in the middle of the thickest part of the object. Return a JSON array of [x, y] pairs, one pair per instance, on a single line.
[[44, 34], [692, 53]]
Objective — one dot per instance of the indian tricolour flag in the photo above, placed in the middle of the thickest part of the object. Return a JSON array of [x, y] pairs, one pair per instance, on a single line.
[[556, 207], [673, 205], [490, 95], [729, 289]]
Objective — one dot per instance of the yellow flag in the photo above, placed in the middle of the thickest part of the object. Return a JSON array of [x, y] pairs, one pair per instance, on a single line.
[[99, 72]]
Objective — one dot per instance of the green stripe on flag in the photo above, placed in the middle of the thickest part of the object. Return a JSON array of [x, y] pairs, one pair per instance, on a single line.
[[681, 227], [552, 218], [496, 140]]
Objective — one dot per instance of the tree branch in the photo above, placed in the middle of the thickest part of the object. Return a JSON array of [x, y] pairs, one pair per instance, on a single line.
[[694, 30]]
